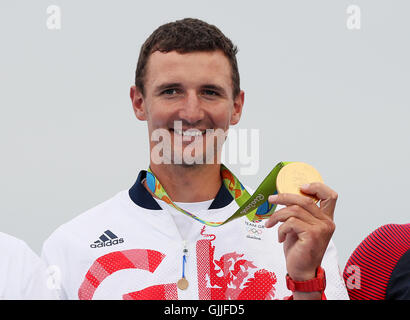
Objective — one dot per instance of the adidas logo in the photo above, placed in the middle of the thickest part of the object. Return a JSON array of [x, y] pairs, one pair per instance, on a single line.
[[107, 239]]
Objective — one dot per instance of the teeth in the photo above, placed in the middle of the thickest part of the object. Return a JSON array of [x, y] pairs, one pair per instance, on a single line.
[[189, 133]]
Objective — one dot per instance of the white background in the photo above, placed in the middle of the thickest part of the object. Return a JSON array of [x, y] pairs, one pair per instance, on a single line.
[[317, 91]]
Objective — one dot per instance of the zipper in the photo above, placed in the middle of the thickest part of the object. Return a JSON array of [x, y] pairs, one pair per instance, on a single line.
[[183, 282]]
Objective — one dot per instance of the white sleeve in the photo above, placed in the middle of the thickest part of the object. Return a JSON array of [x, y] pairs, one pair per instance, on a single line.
[[23, 274], [36, 278], [335, 286], [53, 257]]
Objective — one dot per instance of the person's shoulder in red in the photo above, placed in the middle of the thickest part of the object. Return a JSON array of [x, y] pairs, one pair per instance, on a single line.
[[379, 268]]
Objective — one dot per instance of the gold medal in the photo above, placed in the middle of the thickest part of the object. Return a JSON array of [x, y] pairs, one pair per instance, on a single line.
[[182, 283], [295, 174]]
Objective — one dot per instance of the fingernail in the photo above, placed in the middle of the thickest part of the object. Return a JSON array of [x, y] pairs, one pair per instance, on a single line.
[[269, 224], [273, 198], [305, 186]]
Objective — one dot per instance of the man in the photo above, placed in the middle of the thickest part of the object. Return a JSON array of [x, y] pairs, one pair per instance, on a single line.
[[138, 246], [23, 275]]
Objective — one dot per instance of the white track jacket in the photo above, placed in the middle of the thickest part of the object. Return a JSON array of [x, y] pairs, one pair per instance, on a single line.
[[129, 247]]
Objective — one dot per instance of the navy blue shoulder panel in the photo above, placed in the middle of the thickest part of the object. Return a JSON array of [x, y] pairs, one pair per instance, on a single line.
[[141, 197], [398, 287]]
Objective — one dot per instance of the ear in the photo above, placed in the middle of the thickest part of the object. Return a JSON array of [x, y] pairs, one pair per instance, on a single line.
[[138, 104], [237, 107]]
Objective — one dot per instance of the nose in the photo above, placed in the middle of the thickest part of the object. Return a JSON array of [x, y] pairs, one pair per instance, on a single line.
[[191, 110]]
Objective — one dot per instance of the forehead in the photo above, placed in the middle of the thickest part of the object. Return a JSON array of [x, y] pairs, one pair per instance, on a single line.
[[202, 66]]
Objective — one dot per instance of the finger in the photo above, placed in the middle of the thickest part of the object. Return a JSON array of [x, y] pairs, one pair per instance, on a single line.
[[292, 211], [327, 196], [292, 225], [289, 199]]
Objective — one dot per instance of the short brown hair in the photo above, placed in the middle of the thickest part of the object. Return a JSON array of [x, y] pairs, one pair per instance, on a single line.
[[183, 36]]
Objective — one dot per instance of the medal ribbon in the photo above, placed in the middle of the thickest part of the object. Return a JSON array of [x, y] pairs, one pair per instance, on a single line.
[[255, 207]]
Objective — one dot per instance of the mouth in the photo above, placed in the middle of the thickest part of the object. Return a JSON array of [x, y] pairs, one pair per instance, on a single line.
[[189, 132]]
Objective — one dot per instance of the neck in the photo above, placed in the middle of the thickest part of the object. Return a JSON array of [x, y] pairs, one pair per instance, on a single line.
[[189, 183]]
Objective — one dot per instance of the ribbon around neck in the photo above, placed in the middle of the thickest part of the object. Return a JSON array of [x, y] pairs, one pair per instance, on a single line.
[[255, 207]]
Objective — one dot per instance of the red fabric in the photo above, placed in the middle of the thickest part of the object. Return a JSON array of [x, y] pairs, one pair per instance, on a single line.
[[368, 269], [323, 297], [112, 262]]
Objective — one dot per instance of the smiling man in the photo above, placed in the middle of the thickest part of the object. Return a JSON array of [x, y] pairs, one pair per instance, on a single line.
[[148, 242], [194, 92]]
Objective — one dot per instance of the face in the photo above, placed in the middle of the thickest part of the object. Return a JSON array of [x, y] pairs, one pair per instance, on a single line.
[[189, 97]]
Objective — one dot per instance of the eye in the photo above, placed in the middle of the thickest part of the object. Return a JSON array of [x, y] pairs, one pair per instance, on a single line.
[[209, 92], [170, 92]]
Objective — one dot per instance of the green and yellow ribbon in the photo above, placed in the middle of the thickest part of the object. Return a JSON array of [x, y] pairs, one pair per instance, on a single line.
[[255, 207]]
